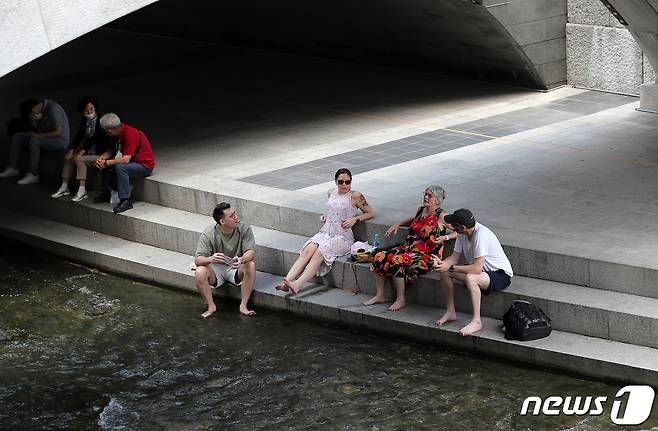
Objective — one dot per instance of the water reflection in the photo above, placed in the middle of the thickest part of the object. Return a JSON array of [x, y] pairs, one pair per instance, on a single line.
[[84, 350]]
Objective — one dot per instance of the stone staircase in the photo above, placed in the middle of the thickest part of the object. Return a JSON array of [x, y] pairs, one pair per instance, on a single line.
[[605, 314]]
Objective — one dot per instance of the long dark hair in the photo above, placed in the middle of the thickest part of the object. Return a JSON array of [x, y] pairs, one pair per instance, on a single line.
[[82, 103], [341, 171]]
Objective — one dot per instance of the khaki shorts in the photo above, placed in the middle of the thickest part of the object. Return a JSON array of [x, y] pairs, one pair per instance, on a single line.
[[224, 273]]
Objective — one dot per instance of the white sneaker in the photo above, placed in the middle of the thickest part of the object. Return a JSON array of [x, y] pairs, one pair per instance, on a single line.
[[79, 196], [9, 172], [61, 192], [28, 179]]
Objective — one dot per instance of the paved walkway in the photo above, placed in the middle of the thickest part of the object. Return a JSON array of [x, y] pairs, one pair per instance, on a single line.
[[569, 171]]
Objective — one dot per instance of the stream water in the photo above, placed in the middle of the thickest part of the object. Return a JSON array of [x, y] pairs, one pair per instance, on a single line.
[[83, 350]]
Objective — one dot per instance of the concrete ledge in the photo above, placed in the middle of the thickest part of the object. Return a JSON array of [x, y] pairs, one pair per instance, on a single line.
[[572, 308], [585, 355], [571, 265]]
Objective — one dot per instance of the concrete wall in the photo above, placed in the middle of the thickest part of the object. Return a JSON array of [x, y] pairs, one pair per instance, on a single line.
[[601, 53], [31, 28]]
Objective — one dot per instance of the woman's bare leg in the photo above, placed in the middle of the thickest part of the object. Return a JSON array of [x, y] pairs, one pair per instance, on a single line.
[[299, 265], [304, 258], [380, 282], [309, 272], [400, 301]]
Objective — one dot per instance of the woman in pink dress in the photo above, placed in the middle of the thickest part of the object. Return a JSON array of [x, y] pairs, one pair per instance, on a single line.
[[335, 238]]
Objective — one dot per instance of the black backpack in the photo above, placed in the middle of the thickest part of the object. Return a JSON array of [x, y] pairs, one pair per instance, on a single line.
[[524, 321]]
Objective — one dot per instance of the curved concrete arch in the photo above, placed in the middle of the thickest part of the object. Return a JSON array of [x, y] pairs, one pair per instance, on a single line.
[[32, 28], [520, 42]]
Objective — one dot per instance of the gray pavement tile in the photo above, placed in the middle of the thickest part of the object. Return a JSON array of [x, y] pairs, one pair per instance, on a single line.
[[361, 153], [427, 153], [393, 151], [338, 158], [452, 146], [413, 139], [414, 147], [434, 143], [473, 139], [375, 165], [331, 165], [360, 160], [318, 163], [377, 148]]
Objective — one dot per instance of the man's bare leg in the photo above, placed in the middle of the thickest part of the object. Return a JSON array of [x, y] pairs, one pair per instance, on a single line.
[[299, 265], [380, 282], [204, 276], [309, 272], [447, 287], [474, 283], [247, 273], [400, 300]]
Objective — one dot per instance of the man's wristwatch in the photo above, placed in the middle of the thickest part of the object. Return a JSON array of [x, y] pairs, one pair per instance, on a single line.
[[452, 268]]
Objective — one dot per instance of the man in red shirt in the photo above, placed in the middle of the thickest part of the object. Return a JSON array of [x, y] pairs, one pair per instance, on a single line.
[[134, 157]]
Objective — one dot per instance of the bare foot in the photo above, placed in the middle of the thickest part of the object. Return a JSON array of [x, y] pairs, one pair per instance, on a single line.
[[282, 287], [247, 312], [447, 317], [290, 285], [210, 312], [471, 328], [375, 300], [398, 304]]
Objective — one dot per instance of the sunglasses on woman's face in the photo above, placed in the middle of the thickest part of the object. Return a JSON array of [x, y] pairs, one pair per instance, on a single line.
[[344, 182]]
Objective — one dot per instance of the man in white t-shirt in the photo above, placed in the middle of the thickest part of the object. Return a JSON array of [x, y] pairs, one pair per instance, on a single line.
[[487, 268]]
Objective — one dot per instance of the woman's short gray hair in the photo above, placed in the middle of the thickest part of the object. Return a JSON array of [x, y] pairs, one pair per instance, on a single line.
[[110, 121], [437, 191]]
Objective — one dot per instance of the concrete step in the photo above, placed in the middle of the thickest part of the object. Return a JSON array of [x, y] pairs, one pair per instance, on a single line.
[[582, 310], [546, 257], [585, 355]]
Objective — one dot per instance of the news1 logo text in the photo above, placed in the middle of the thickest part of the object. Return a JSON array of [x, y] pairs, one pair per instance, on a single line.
[[638, 405]]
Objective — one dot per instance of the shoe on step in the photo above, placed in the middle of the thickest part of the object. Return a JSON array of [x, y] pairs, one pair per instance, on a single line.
[[59, 193], [9, 172], [123, 205], [79, 196], [28, 179]]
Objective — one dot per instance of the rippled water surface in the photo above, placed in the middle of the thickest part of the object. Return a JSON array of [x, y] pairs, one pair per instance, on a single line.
[[85, 350]]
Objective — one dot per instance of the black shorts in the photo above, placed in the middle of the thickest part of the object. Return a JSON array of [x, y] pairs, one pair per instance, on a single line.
[[498, 280]]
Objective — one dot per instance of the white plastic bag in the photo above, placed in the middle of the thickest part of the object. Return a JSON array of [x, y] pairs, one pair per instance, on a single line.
[[359, 247]]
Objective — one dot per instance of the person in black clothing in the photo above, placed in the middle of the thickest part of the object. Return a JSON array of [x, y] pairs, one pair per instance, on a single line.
[[89, 144]]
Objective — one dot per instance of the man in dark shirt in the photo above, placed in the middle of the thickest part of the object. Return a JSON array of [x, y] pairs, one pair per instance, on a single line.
[[52, 133], [133, 160]]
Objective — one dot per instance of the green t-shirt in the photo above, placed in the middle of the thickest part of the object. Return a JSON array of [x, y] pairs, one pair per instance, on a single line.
[[212, 241]]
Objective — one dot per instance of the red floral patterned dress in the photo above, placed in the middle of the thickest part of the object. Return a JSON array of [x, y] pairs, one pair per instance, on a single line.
[[413, 257]]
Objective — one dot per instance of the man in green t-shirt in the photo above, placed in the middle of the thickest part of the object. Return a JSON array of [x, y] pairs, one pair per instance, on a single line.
[[225, 252]]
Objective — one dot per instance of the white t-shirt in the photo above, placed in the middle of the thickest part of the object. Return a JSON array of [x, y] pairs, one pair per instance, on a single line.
[[484, 243]]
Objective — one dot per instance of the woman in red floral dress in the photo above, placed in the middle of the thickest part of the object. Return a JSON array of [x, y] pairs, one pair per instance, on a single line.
[[403, 264]]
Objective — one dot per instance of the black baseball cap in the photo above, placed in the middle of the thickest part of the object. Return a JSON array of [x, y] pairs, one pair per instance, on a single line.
[[462, 216]]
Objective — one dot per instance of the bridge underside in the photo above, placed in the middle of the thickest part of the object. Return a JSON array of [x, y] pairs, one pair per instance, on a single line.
[[521, 42], [453, 36]]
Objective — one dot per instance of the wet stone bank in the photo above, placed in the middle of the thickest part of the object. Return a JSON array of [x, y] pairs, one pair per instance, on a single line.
[[85, 350]]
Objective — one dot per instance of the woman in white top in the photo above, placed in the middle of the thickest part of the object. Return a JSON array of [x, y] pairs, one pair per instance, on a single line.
[[335, 237]]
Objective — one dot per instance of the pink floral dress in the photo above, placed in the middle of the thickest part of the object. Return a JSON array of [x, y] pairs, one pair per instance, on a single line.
[[332, 240]]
